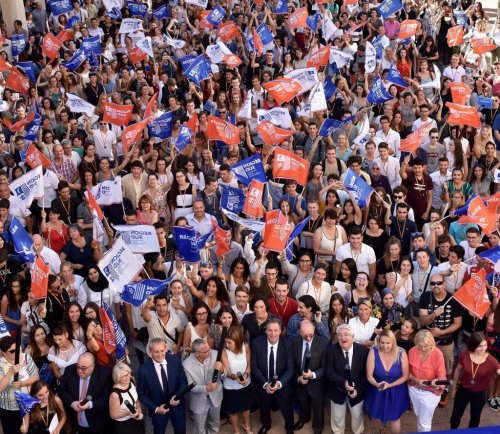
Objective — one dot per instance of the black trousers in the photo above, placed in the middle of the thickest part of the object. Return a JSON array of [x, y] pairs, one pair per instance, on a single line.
[[11, 421], [308, 402], [285, 403], [463, 397]]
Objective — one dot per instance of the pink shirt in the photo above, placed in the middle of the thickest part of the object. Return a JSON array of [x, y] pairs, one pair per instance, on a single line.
[[431, 368]]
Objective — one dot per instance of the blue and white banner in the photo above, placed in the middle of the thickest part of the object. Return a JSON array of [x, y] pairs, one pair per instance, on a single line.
[[482, 101], [253, 225], [378, 46], [71, 22], [92, 45], [295, 233], [25, 402], [460, 18], [3, 328], [307, 77], [109, 5], [137, 292], [121, 340], [232, 199], [215, 16], [330, 88], [198, 70], [18, 43], [463, 209], [78, 105], [28, 68], [130, 25], [59, 7], [378, 94], [187, 243], [29, 186], [248, 169], [145, 45], [492, 254], [202, 240], [32, 130], [282, 7], [330, 125], [313, 20], [139, 9], [183, 139], [187, 60], [79, 56], [108, 192], [361, 190], [139, 238], [162, 127], [279, 116], [161, 13], [21, 239], [389, 7], [265, 34], [395, 77]]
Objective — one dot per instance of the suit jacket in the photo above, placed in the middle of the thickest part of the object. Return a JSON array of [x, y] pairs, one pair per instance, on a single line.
[[260, 366], [150, 391], [129, 189], [99, 388], [198, 396], [337, 374], [318, 348]]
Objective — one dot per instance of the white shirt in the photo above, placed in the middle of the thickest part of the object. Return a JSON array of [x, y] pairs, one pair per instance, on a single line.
[[438, 180], [350, 352], [239, 314], [158, 367], [455, 280], [363, 259], [203, 227], [51, 182], [51, 258], [390, 169], [363, 332], [322, 296], [392, 138], [455, 74], [275, 351], [469, 252], [104, 143]]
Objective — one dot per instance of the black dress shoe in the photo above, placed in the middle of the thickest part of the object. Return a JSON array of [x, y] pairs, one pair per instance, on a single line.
[[264, 430], [298, 425]]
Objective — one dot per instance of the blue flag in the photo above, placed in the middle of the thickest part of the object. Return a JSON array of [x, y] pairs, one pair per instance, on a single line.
[[484, 102], [232, 199], [492, 254], [59, 7], [313, 20], [248, 169], [183, 139], [21, 240], [25, 402], [378, 94], [162, 127], [114, 13], [395, 77], [379, 48], [121, 340], [186, 61], [32, 130], [330, 125], [18, 42], [463, 209], [265, 34], [3, 328], [92, 45], [201, 240], [361, 190], [215, 16], [46, 373], [329, 88], [161, 12], [389, 7], [79, 56], [138, 9], [186, 242], [295, 233], [71, 22], [198, 70], [135, 293], [282, 7], [460, 18], [28, 68]]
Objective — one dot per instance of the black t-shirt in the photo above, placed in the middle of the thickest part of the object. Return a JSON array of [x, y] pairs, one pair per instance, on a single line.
[[7, 272]]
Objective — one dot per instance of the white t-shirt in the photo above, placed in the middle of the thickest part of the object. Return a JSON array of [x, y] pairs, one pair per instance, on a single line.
[[363, 259], [453, 282], [104, 143], [363, 332], [322, 296]]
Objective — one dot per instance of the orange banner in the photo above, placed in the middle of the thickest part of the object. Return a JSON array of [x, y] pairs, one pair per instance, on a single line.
[[413, 140], [219, 129], [276, 231], [479, 214], [473, 295], [482, 45], [460, 92], [257, 43], [116, 114], [18, 81], [492, 202], [407, 29], [455, 36], [108, 332], [253, 201], [463, 115], [319, 57], [19, 124], [298, 18], [136, 55], [287, 165], [34, 157], [149, 107], [132, 133], [232, 60], [65, 35], [193, 123], [283, 89], [223, 241], [93, 205], [228, 31], [39, 278], [4, 66], [51, 46], [271, 134]]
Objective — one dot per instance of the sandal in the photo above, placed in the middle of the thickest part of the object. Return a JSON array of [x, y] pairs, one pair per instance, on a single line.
[[248, 430]]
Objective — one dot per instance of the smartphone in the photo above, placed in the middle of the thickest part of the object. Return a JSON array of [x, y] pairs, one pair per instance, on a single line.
[[15, 96]]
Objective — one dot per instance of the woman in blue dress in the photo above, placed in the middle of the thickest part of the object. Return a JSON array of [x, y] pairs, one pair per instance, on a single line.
[[387, 372]]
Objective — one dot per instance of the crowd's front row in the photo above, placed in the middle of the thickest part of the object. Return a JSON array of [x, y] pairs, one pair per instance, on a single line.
[[287, 373]]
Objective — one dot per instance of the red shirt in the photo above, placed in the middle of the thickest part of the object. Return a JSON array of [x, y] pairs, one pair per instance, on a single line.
[[483, 375], [284, 311]]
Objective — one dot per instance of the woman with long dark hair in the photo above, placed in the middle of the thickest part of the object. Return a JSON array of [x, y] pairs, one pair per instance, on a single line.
[[337, 314], [11, 304], [65, 350], [74, 321], [198, 327], [224, 318]]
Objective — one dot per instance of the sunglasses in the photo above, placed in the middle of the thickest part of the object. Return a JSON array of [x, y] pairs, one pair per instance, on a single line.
[[398, 197], [436, 283]]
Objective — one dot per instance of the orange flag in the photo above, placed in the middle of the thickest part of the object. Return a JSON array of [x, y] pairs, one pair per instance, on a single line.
[[136, 55], [108, 331], [219, 129], [193, 123], [39, 278], [51, 46], [253, 201], [287, 165], [298, 18], [203, 20], [65, 35], [116, 114], [413, 140], [283, 89], [276, 231], [460, 92], [232, 60], [257, 43], [473, 295], [271, 134], [463, 115], [20, 124], [455, 36], [482, 45], [407, 29], [93, 205], [479, 214], [492, 202], [4, 66], [132, 133], [223, 241], [149, 107], [228, 31], [17, 81], [34, 157], [319, 57]]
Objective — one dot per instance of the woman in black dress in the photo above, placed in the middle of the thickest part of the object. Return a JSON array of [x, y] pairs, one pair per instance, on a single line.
[[78, 251]]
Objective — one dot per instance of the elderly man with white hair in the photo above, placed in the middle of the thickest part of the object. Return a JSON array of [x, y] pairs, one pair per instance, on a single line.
[[346, 375], [47, 254]]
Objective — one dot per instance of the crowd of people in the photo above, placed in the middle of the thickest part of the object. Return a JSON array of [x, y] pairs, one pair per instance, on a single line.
[[362, 314]]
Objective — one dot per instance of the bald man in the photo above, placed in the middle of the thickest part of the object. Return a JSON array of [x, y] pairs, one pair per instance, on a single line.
[[47, 254]]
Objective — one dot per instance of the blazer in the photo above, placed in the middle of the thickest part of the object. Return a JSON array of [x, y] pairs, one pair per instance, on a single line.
[[336, 373], [260, 366], [315, 387], [129, 189], [150, 391], [198, 396], [99, 388]]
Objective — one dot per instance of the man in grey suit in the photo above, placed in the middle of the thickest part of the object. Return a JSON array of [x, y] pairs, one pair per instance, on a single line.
[[206, 397]]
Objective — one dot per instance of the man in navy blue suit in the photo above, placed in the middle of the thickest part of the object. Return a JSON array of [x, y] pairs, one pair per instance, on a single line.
[[160, 380]]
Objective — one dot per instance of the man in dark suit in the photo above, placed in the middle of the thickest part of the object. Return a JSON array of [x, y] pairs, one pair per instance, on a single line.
[[346, 374], [272, 371], [155, 394], [309, 353], [87, 379]]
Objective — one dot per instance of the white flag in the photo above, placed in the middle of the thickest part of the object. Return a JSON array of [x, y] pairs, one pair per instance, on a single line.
[[253, 225], [176, 43], [329, 29], [216, 53], [130, 25], [278, 116], [370, 57], [108, 192], [201, 3], [139, 238], [110, 4], [119, 265], [29, 186], [78, 105], [363, 136], [97, 228], [340, 58], [246, 109], [144, 44], [307, 77], [4, 106], [316, 101]]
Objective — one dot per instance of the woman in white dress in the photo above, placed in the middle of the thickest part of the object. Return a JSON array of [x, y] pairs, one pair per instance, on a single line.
[[65, 350]]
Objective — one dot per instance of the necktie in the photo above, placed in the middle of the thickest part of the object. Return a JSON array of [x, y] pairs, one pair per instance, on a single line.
[[271, 364], [164, 380], [307, 353], [83, 395], [347, 366]]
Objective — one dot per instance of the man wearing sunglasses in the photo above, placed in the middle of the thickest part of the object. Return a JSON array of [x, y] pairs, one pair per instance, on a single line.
[[442, 315]]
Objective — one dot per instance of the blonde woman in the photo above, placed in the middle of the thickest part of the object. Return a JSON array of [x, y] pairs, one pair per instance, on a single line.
[[483, 136]]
